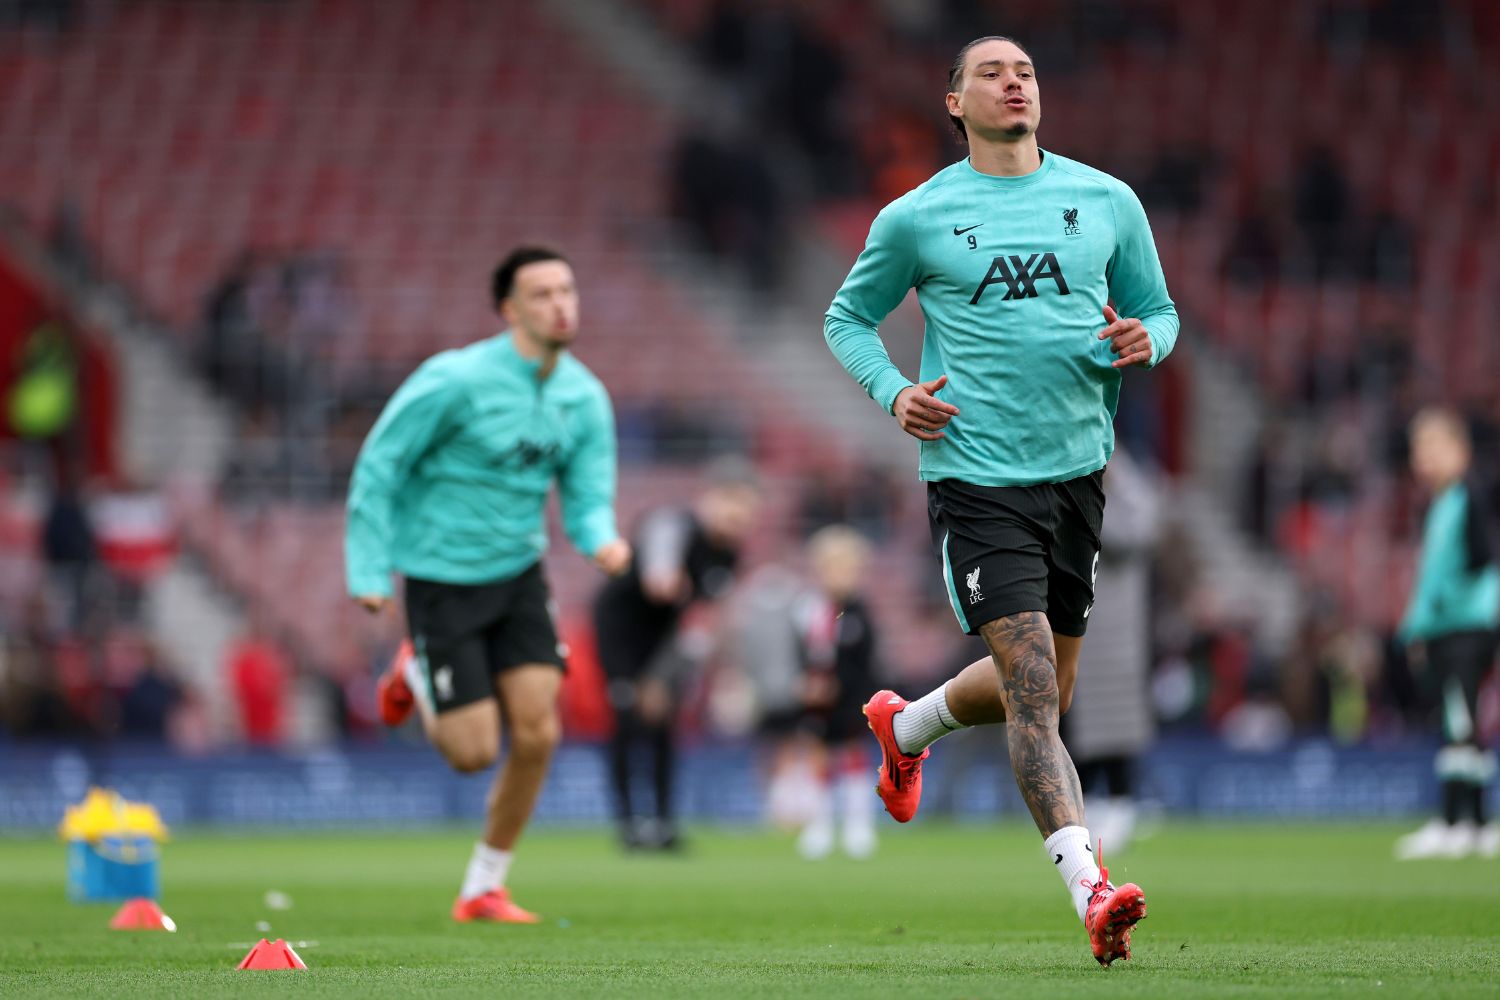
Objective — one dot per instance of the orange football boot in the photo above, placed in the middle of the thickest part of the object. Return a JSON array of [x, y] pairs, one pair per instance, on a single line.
[[392, 692], [900, 786], [1112, 914], [495, 907]]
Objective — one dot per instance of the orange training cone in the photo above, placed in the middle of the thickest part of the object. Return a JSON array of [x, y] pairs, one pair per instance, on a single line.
[[273, 955], [141, 915]]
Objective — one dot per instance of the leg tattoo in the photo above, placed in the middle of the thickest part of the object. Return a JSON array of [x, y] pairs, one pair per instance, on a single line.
[[1022, 648]]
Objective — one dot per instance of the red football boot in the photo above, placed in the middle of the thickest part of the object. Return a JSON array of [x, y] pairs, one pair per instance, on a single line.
[[392, 692], [495, 907], [900, 785], [1112, 914]]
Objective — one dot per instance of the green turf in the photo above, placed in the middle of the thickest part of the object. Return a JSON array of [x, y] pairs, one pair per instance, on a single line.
[[946, 912]]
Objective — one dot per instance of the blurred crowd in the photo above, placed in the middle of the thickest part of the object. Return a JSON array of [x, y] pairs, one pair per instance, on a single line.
[[819, 107]]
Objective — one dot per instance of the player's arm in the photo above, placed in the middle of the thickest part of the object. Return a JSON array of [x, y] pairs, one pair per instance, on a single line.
[[587, 488], [426, 408], [1143, 325], [886, 270], [661, 555], [1439, 560]]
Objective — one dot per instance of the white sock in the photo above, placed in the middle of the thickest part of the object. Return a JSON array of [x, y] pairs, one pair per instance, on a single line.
[[857, 811], [925, 721], [1069, 849], [816, 839], [487, 869]]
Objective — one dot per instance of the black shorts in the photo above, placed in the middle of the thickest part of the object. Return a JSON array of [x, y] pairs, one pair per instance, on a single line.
[[466, 635], [1458, 664], [1009, 549]]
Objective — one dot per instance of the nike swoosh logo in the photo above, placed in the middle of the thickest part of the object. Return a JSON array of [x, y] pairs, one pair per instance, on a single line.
[[895, 700], [960, 232], [1058, 861]]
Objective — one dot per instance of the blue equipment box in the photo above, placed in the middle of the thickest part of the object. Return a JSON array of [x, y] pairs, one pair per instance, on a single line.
[[113, 868]]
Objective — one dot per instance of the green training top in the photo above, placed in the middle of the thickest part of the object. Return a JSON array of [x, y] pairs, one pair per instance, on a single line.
[[1450, 597], [452, 482], [1012, 274]]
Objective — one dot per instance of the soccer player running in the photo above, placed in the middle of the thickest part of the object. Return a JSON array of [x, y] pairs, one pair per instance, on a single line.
[[1015, 254], [449, 491], [1450, 623]]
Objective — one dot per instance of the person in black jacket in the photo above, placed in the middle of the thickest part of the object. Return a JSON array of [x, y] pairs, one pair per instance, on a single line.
[[681, 556], [837, 640]]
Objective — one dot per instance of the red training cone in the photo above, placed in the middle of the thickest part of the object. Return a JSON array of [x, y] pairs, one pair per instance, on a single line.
[[273, 955], [141, 915]]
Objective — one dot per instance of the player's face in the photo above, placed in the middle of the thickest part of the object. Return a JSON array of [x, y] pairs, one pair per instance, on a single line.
[[998, 98], [730, 512], [543, 303], [1438, 456], [841, 571]]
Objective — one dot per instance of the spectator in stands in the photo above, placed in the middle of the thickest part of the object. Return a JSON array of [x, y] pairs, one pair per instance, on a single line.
[[864, 498], [260, 676], [723, 188], [788, 72], [147, 692], [1254, 254], [32, 702], [69, 547], [1323, 208]]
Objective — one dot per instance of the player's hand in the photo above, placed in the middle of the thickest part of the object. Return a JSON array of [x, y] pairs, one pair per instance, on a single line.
[[669, 587], [920, 413], [373, 603], [653, 701], [819, 690], [613, 557], [1129, 339]]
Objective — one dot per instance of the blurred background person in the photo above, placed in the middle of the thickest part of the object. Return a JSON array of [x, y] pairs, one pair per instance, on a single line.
[[682, 556], [839, 644], [1112, 721], [1450, 623]]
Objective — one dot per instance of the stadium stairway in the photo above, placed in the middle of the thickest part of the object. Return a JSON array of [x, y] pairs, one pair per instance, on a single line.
[[1256, 583]]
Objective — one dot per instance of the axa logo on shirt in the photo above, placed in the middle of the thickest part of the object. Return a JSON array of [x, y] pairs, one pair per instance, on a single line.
[[528, 454], [1020, 275]]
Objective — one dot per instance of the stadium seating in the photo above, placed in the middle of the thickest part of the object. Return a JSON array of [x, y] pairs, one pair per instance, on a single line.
[[417, 139]]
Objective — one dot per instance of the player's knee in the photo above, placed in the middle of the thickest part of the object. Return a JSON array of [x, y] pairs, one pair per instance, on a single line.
[[537, 738], [1034, 699], [471, 761], [470, 756]]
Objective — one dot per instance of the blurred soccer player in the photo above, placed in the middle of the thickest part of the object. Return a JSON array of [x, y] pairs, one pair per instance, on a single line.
[[1015, 254], [837, 640], [449, 491], [681, 556], [1450, 623]]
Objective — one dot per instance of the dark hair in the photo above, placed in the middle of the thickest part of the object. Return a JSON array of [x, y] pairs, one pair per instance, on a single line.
[[956, 72], [504, 280]]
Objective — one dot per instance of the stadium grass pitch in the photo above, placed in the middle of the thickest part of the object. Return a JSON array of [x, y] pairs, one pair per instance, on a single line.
[[945, 911]]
